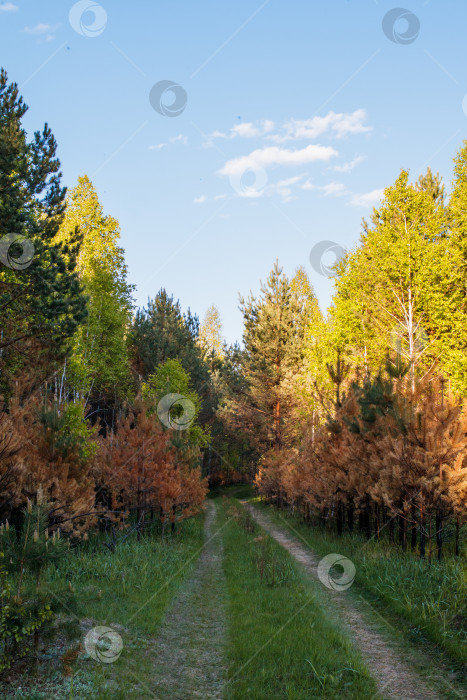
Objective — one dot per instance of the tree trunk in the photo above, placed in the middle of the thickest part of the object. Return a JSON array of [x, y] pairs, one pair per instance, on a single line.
[[364, 518], [323, 517], [439, 533], [429, 538], [350, 516], [413, 534], [340, 518], [391, 530], [138, 525], [277, 425], [376, 521], [422, 533], [402, 532], [280, 499]]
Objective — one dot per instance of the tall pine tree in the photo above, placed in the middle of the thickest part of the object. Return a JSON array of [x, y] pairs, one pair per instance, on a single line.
[[273, 340], [161, 332], [41, 298]]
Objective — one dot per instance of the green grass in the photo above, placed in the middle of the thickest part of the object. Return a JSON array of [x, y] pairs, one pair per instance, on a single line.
[[233, 491], [429, 597], [284, 640], [129, 589], [282, 643]]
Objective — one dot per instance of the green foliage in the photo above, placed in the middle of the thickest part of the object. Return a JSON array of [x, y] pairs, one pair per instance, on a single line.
[[68, 430], [77, 431], [433, 184], [210, 334], [42, 303], [274, 328], [31, 549], [376, 397], [401, 290], [161, 332], [232, 452], [171, 378], [456, 358], [99, 361], [27, 552], [18, 622], [109, 587]]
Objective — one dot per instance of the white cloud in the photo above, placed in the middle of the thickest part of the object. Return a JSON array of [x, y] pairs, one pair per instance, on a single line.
[[348, 167], [333, 189], [285, 193], [173, 139], [268, 154], [220, 196], [246, 130], [340, 124], [209, 142], [200, 200], [273, 155], [40, 29], [367, 199], [336, 124], [338, 189], [290, 181], [218, 135], [179, 139], [8, 7], [284, 188]]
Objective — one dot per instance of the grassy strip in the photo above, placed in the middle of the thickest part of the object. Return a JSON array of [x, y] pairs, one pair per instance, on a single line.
[[128, 590], [430, 596], [282, 641]]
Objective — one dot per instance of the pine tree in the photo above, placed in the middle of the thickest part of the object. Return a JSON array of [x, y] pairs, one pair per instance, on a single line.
[[145, 473], [231, 453], [273, 339], [58, 450], [161, 332], [413, 463], [182, 410], [305, 298], [40, 294]]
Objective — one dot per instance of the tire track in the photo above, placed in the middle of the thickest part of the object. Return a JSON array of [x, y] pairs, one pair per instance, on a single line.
[[189, 651], [395, 679]]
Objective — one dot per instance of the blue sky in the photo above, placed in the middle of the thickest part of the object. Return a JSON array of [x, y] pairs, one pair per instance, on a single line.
[[293, 118]]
